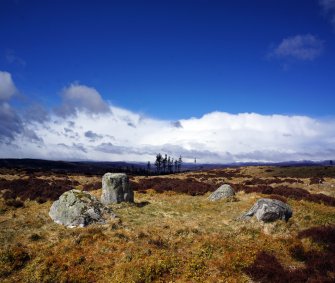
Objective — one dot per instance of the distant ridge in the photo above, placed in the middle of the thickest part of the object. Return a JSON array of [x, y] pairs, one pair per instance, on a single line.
[[83, 167], [139, 168]]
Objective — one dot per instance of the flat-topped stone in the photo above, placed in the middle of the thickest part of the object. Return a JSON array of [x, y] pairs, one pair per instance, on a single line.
[[116, 189]]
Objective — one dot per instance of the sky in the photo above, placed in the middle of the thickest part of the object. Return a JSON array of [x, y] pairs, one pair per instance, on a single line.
[[220, 81]]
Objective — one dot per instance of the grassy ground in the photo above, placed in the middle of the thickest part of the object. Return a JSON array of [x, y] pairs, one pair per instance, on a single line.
[[169, 237]]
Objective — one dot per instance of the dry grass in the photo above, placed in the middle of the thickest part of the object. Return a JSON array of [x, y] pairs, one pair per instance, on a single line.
[[165, 237]]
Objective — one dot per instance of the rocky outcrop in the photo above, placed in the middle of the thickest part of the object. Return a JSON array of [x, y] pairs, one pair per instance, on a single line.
[[77, 208], [269, 210], [116, 188], [225, 191]]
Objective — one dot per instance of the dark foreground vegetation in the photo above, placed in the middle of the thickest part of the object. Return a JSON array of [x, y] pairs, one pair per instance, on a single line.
[[319, 265]]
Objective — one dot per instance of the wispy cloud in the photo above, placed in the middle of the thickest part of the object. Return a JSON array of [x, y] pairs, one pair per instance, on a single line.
[[214, 137], [7, 86], [12, 58], [10, 122], [93, 136], [12, 127], [328, 7], [300, 47]]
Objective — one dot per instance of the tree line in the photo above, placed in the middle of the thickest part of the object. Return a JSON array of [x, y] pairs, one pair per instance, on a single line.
[[165, 165]]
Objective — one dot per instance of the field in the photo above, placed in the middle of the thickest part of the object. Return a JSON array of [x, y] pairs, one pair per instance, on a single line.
[[172, 233]]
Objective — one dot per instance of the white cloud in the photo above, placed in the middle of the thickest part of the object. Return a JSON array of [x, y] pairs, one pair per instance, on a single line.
[[300, 47], [7, 86], [214, 137], [328, 7], [10, 123], [12, 126], [78, 97]]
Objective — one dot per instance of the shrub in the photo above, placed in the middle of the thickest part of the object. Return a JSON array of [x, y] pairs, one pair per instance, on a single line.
[[92, 186], [316, 180], [35, 237], [298, 253], [190, 186], [35, 189], [259, 181], [319, 265], [14, 203], [285, 191], [277, 197], [321, 234], [266, 268]]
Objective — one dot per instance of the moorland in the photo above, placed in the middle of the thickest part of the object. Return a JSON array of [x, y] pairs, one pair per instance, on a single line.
[[172, 233]]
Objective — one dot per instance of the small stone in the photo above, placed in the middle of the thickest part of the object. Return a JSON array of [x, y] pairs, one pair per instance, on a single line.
[[225, 191], [116, 189], [269, 210]]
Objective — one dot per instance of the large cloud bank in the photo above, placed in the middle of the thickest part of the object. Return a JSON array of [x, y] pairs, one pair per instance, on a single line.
[[86, 127]]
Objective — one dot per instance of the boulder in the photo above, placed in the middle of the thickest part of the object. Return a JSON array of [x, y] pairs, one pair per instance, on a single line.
[[225, 191], [77, 208], [269, 210], [116, 188]]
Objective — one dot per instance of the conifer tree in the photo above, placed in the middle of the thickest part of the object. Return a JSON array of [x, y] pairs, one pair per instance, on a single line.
[[169, 164], [180, 161], [164, 163], [158, 163]]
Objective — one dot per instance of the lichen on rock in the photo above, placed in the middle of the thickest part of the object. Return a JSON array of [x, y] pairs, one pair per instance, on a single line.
[[269, 210], [225, 191], [116, 189], [77, 208]]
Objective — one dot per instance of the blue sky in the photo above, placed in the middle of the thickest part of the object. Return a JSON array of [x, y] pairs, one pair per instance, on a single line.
[[166, 61]]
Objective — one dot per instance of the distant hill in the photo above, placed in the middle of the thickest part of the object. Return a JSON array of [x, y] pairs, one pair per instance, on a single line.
[[82, 167], [136, 168]]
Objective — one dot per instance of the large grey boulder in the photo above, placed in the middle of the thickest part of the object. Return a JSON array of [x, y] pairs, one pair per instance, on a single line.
[[225, 191], [77, 208], [269, 210], [116, 188]]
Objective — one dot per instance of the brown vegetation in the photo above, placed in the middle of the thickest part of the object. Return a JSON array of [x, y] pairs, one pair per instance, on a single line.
[[259, 181], [172, 233], [187, 186], [319, 265], [33, 188], [190, 185], [289, 192]]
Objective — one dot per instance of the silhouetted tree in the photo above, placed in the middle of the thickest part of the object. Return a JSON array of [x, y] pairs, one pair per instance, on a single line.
[[175, 165], [170, 164], [158, 162], [164, 163], [180, 161]]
